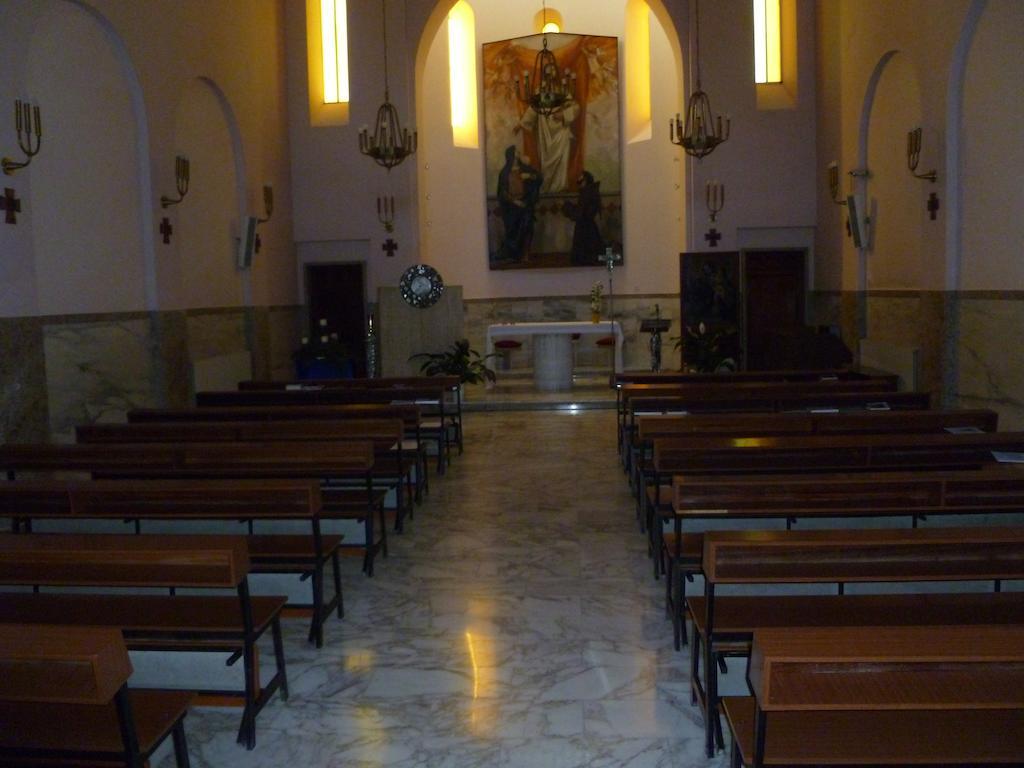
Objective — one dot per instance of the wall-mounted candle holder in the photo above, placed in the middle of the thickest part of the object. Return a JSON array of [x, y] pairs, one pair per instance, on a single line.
[[833, 183], [914, 156], [268, 211], [386, 212], [714, 198], [28, 124], [182, 173]]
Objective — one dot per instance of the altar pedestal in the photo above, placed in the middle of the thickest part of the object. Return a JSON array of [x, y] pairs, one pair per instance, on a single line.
[[552, 362]]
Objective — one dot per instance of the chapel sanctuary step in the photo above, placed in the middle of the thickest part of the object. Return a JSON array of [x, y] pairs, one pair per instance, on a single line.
[[64, 700]]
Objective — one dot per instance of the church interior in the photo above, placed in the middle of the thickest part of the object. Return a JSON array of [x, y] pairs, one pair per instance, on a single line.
[[191, 198]]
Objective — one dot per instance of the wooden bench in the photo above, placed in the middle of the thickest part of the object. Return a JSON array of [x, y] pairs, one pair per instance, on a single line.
[[751, 401], [64, 698], [724, 625], [224, 461], [409, 413], [427, 397], [881, 696], [817, 453], [865, 496], [650, 428], [148, 621], [451, 384], [392, 466], [237, 501]]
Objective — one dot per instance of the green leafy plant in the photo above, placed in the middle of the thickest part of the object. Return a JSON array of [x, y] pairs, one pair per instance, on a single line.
[[468, 364], [708, 350]]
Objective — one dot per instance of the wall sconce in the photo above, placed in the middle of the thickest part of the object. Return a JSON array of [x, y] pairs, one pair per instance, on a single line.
[[181, 179], [714, 194], [386, 212], [25, 116], [268, 208], [833, 183], [914, 156]]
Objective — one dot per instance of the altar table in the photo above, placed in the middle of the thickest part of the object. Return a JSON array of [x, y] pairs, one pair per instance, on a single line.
[[552, 347]]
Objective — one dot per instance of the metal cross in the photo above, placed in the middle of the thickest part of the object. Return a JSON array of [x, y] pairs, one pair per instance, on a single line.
[[713, 236], [390, 246], [11, 204], [166, 230], [933, 206]]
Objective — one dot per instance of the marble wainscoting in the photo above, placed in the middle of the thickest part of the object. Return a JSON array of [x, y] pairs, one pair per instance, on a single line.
[[24, 410], [60, 371], [989, 370], [629, 311]]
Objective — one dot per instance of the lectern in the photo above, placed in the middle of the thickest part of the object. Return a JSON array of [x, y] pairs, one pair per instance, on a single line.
[[655, 326]]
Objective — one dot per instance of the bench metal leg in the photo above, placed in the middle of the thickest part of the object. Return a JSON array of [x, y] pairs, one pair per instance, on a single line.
[[180, 744], [316, 626], [247, 728], [336, 571], [275, 629]]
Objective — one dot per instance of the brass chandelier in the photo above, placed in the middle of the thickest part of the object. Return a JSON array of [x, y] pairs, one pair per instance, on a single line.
[[390, 144], [550, 90], [702, 132]]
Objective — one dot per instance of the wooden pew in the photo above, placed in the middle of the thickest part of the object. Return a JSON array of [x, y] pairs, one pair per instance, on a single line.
[[432, 396], [650, 428], [223, 461], [822, 374], [391, 467], [236, 501], [64, 697], [724, 626], [409, 413], [881, 696], [915, 495], [150, 622], [452, 385], [750, 400]]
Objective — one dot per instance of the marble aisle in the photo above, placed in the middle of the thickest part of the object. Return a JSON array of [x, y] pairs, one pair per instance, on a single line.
[[515, 623]]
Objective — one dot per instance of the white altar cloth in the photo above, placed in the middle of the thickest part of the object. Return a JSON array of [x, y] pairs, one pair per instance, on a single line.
[[584, 328]]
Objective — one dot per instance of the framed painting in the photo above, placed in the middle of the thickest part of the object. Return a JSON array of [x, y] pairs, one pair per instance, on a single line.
[[554, 182]]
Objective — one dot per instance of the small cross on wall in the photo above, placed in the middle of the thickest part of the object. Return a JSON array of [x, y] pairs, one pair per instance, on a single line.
[[166, 230], [390, 246], [713, 236], [933, 206], [11, 204]]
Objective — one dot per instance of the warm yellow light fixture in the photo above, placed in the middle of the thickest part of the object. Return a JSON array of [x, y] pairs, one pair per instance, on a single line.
[[548, 21], [767, 42], [462, 74], [334, 41], [551, 27]]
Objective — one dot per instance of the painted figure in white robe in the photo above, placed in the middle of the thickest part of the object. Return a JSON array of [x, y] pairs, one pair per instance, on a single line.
[[554, 138]]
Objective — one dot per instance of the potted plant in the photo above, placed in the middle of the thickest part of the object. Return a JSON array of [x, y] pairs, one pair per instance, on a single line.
[[459, 360], [596, 294], [323, 356], [707, 350]]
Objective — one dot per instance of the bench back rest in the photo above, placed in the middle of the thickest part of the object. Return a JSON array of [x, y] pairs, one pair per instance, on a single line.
[[208, 460], [162, 499], [753, 389], [68, 665], [767, 424], [116, 560], [422, 395], [888, 668], [805, 453], [676, 377], [993, 489], [387, 382], [870, 555], [725, 401], [383, 433], [409, 413]]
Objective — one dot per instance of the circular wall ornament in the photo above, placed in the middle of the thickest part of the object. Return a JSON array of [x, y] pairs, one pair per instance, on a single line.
[[421, 286]]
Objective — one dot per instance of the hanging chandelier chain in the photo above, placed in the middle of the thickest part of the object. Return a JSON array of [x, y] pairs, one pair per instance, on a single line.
[[696, 42], [384, 7]]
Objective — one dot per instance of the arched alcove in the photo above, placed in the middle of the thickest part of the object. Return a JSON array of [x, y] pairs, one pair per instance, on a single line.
[[201, 270], [86, 210], [451, 180], [895, 199]]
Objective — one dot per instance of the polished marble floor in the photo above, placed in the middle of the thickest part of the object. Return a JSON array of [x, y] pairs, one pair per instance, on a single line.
[[515, 623]]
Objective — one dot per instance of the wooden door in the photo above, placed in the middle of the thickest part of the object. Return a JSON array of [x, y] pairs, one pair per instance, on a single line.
[[337, 293], [775, 296]]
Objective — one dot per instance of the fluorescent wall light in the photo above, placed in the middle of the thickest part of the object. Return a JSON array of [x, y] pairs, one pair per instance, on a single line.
[[767, 42], [334, 37]]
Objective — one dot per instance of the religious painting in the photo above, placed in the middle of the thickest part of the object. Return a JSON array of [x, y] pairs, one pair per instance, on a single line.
[[554, 182], [709, 292]]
